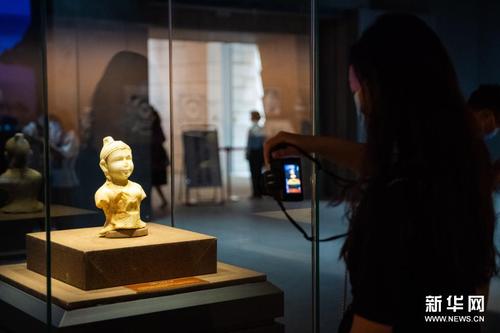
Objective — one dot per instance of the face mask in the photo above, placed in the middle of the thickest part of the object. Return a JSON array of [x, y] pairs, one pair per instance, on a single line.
[[490, 135], [357, 103], [356, 89], [360, 117]]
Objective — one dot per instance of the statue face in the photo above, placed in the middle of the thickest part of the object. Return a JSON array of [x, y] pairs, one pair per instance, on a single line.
[[120, 165]]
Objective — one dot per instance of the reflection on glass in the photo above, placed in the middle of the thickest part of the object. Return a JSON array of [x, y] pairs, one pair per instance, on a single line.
[[22, 168], [21, 160], [21, 184], [116, 111]]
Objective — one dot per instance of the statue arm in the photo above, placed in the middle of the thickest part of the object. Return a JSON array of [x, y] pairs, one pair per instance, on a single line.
[[143, 194], [102, 199]]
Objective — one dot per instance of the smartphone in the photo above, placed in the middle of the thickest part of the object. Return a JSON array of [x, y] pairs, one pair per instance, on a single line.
[[292, 179]]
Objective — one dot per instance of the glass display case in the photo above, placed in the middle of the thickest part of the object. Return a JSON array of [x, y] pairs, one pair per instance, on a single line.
[[137, 130]]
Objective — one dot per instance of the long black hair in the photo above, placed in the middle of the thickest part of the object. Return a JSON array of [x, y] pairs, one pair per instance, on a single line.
[[417, 121]]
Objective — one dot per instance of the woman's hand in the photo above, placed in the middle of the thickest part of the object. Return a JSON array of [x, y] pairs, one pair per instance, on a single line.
[[344, 153], [283, 138]]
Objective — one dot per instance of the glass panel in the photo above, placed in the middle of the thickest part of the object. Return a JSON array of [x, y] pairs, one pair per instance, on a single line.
[[23, 177], [231, 58], [97, 86], [148, 120], [98, 78], [337, 30]]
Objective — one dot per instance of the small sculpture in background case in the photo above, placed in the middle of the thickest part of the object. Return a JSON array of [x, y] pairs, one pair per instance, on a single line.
[[21, 183], [119, 197]]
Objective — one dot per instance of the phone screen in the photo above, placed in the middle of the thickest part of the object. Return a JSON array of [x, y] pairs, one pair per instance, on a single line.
[[292, 178]]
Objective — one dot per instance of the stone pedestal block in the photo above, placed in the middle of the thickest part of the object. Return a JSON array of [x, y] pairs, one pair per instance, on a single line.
[[83, 259]]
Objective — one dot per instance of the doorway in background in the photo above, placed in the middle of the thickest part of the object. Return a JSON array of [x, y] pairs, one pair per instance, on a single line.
[[215, 84]]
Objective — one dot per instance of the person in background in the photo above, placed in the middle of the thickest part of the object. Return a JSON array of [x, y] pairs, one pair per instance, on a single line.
[[8, 127], [148, 120], [484, 102], [421, 217], [64, 179], [255, 152], [112, 113], [64, 150]]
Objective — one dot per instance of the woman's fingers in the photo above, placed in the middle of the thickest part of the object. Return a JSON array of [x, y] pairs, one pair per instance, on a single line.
[[282, 138], [285, 152], [272, 142]]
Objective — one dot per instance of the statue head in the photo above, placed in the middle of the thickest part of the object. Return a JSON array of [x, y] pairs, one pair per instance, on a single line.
[[17, 150], [116, 160]]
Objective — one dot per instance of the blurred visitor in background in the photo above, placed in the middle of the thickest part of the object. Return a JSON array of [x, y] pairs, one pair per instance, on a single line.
[[148, 120], [8, 127], [34, 133], [114, 113], [485, 104], [64, 152], [255, 152], [64, 149]]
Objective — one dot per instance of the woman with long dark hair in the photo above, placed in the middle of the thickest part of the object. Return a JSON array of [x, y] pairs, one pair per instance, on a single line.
[[421, 213], [113, 113]]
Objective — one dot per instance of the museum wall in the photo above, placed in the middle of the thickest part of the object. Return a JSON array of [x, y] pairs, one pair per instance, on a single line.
[[62, 69], [78, 51], [469, 32], [285, 69], [190, 88]]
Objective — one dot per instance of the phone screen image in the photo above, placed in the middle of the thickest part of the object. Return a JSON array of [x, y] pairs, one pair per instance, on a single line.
[[292, 178]]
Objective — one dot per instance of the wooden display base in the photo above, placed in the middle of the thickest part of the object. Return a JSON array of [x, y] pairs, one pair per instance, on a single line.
[[69, 297], [232, 300], [84, 260], [126, 233]]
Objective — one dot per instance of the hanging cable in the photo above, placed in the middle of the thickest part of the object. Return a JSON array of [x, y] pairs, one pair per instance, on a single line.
[[341, 181], [302, 231]]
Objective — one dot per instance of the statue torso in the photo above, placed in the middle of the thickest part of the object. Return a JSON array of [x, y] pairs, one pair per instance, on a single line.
[[121, 204]]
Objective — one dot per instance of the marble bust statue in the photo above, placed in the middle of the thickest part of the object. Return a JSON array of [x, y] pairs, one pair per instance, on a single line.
[[119, 197], [21, 183]]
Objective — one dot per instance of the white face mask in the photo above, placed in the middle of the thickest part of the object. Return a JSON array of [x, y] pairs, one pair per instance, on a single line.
[[357, 102], [360, 117]]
